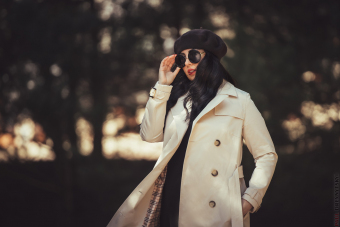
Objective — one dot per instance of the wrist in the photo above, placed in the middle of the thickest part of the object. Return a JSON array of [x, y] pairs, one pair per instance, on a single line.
[[161, 83], [247, 204]]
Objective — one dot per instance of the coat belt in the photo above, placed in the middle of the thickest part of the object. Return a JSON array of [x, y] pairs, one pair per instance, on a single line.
[[235, 197]]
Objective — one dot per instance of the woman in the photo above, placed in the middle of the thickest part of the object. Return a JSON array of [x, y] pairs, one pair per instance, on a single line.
[[202, 120]]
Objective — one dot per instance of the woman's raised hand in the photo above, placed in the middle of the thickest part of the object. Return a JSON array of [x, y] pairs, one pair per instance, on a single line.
[[166, 77]]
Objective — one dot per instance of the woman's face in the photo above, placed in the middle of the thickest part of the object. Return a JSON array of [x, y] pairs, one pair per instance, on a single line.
[[190, 68]]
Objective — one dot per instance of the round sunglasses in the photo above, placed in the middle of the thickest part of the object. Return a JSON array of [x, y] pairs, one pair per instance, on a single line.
[[194, 56]]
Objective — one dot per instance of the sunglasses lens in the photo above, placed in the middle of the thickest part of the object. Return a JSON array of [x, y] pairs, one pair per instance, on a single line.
[[180, 60], [194, 56]]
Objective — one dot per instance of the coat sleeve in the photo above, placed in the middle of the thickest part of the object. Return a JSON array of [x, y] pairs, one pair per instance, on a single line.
[[151, 128], [260, 145]]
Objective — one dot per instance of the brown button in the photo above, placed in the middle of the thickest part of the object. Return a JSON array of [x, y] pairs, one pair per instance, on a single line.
[[212, 204], [214, 172], [217, 143]]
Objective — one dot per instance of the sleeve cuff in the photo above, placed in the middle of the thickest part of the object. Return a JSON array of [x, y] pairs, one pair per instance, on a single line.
[[162, 91], [163, 88], [252, 202], [252, 196]]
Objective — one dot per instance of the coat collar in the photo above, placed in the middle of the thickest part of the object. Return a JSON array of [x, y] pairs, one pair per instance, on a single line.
[[226, 88]]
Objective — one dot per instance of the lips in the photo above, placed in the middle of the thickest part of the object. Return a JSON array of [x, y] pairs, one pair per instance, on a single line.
[[191, 71]]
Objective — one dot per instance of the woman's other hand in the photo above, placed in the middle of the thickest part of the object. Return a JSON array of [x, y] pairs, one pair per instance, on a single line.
[[246, 207], [166, 77]]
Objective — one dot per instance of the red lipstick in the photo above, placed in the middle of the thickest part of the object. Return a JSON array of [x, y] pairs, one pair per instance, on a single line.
[[191, 71]]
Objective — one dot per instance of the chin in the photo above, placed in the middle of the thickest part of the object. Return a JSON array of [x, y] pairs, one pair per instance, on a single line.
[[191, 77]]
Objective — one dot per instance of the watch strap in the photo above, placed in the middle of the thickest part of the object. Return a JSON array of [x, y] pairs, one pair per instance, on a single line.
[[152, 92]]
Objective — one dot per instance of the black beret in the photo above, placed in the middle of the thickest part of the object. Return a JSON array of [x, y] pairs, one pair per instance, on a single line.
[[201, 39]]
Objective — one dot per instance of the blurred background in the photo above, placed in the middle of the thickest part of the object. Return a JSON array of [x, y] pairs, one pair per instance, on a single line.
[[74, 81]]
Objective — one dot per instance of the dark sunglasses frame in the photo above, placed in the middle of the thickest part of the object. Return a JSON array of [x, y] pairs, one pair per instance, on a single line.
[[180, 59]]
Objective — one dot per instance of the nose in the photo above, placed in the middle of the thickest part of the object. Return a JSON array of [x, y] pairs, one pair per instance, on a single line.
[[187, 62]]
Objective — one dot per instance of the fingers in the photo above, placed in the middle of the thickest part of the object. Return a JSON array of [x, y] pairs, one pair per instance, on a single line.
[[164, 61], [169, 60], [177, 70]]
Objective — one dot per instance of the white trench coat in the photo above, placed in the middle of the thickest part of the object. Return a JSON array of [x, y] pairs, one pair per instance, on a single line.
[[207, 199]]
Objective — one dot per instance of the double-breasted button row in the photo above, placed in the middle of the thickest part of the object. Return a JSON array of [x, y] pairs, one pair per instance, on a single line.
[[214, 172], [212, 204]]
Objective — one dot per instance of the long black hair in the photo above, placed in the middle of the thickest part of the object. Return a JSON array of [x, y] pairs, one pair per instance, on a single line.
[[209, 76]]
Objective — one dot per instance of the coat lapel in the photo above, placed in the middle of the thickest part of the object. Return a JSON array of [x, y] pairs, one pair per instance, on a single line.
[[179, 114]]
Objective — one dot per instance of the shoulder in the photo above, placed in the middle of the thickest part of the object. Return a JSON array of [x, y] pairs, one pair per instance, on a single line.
[[234, 92], [234, 102], [243, 98], [242, 95]]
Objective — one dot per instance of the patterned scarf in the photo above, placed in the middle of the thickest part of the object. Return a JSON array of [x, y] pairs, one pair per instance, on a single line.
[[152, 218]]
